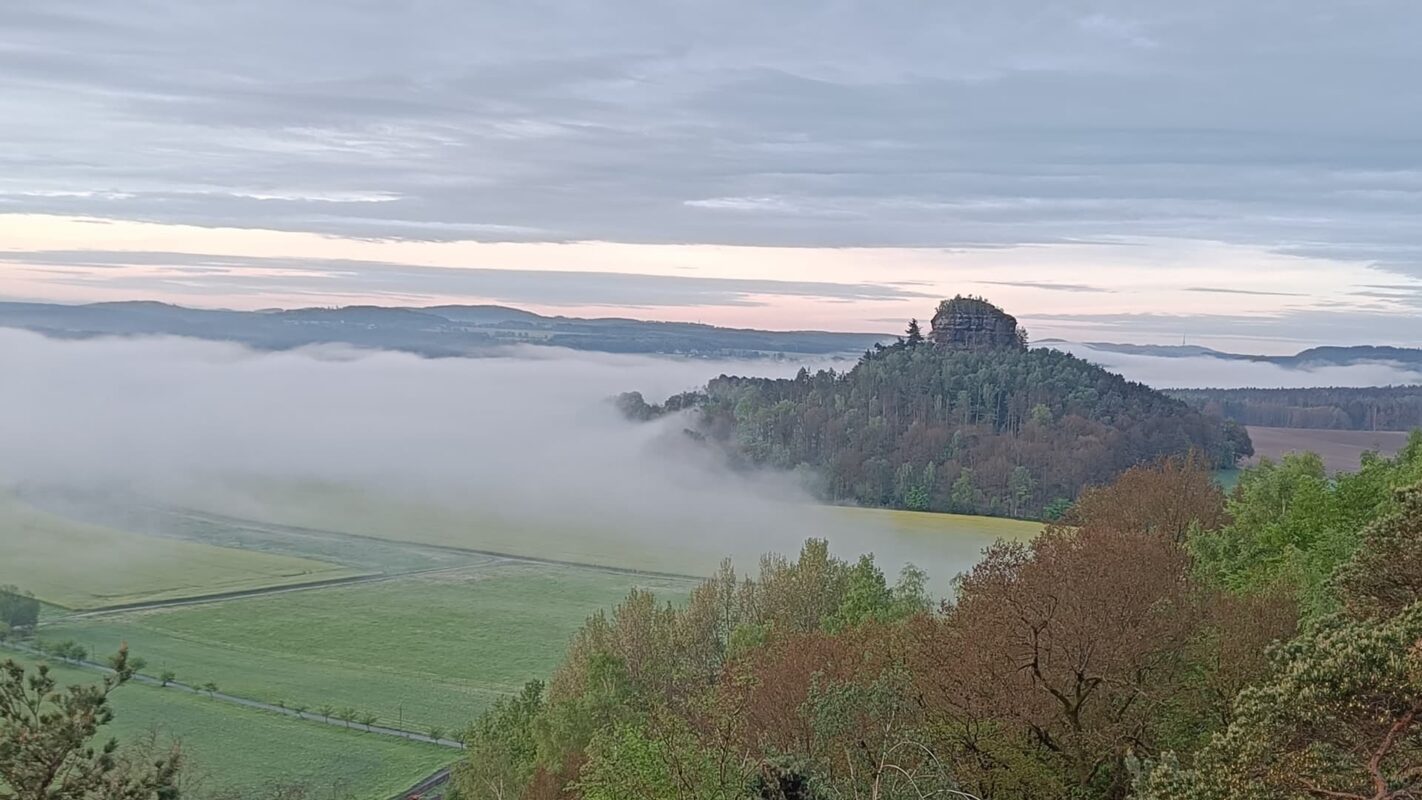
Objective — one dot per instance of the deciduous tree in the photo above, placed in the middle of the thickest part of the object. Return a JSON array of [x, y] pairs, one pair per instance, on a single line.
[[1071, 645], [1168, 498]]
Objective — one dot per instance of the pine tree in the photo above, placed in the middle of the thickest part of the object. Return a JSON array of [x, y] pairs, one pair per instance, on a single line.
[[913, 336]]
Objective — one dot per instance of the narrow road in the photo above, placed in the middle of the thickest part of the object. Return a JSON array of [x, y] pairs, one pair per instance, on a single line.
[[245, 702]]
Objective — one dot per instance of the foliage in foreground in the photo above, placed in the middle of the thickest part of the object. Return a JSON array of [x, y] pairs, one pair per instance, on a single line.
[[1060, 664], [46, 749], [1341, 714], [1293, 524]]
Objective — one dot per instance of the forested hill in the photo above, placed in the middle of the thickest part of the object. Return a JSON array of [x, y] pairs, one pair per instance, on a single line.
[[438, 331], [955, 425]]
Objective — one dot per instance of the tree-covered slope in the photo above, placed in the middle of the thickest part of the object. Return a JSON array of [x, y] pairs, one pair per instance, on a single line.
[[993, 430]]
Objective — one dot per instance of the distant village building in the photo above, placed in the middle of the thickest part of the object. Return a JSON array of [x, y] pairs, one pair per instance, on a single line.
[[972, 323]]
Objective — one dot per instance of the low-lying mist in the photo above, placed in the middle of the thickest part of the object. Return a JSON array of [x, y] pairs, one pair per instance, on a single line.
[[494, 453], [1202, 372]]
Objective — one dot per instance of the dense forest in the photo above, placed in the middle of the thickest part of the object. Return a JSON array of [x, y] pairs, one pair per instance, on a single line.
[[964, 419], [1375, 408], [1167, 643]]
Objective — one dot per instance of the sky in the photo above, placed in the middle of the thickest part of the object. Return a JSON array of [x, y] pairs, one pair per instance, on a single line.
[[1240, 175]]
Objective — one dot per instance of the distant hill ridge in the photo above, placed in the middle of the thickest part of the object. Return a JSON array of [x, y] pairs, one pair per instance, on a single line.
[[435, 331]]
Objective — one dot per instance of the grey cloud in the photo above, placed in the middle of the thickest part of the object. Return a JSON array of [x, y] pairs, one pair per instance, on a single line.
[[1405, 295], [1251, 292], [1050, 286], [376, 280], [927, 125], [1306, 327]]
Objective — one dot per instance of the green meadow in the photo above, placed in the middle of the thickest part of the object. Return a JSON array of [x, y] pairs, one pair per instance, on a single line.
[[439, 636], [77, 565], [227, 748], [422, 651]]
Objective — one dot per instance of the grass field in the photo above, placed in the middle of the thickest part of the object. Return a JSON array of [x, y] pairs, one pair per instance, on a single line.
[[436, 648], [77, 565], [1342, 451], [420, 651], [943, 544], [228, 747], [432, 645]]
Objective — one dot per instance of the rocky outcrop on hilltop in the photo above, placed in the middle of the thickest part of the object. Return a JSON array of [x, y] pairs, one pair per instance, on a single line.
[[972, 323]]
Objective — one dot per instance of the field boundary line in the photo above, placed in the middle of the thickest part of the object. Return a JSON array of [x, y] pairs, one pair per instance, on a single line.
[[447, 548], [217, 597], [242, 594]]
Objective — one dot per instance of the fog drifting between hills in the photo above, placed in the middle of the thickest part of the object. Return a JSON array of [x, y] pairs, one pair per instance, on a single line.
[[526, 442], [1199, 372], [527, 439]]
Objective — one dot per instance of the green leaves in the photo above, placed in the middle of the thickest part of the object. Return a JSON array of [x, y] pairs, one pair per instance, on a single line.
[[1342, 714], [1294, 525], [502, 747], [46, 748], [907, 422]]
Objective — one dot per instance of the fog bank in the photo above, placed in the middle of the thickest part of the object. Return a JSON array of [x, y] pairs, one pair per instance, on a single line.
[[1198, 372], [525, 442]]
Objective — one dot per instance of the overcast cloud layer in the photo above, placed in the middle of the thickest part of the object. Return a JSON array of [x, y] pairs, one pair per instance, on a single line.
[[1288, 127]]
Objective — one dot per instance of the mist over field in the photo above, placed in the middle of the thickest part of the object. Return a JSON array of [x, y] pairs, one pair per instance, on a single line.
[[319, 435], [1199, 372], [521, 452]]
